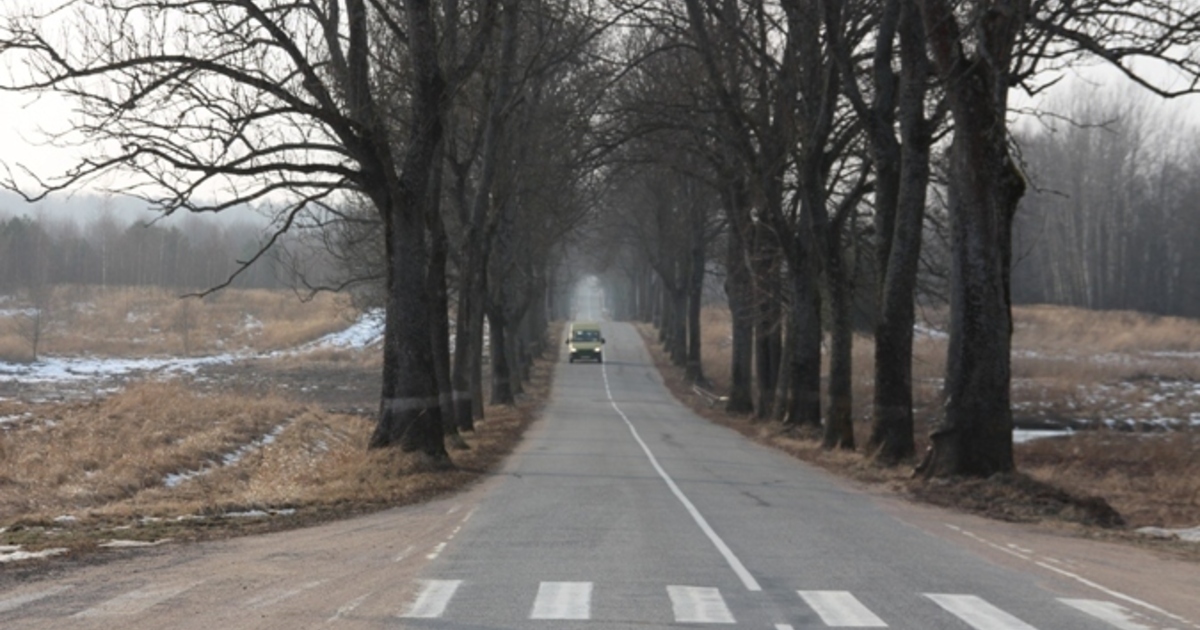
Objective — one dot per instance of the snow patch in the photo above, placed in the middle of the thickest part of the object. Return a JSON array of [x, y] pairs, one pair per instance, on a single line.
[[229, 459], [367, 330], [10, 553], [61, 369], [1021, 436], [932, 333], [15, 418], [132, 544], [259, 513], [1186, 535]]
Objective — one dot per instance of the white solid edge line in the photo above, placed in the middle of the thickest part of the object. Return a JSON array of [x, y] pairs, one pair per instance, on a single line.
[[734, 563]]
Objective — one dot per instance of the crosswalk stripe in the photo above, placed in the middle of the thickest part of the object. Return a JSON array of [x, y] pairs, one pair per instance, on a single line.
[[563, 600], [840, 609], [433, 598], [1116, 615], [13, 603], [978, 613], [274, 596], [135, 602], [697, 604]]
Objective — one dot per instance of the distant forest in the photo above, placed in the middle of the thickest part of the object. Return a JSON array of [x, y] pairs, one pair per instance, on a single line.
[[1112, 219], [108, 251]]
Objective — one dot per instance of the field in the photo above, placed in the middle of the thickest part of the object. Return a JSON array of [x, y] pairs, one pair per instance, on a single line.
[[1107, 406], [145, 322], [117, 437]]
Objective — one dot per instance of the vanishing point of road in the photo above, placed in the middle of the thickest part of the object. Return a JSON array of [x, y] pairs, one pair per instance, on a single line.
[[622, 509]]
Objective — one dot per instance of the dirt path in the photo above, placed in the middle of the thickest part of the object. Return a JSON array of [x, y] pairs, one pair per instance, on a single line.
[[356, 573]]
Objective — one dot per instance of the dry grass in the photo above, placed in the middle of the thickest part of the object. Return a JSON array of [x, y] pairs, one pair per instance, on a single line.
[[1068, 363], [91, 456], [104, 465], [1059, 329], [146, 321], [1152, 480]]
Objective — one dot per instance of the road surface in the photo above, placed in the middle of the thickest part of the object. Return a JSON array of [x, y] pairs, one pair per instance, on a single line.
[[624, 510]]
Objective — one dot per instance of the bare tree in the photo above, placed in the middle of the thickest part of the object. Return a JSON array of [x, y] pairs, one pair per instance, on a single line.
[[886, 100], [980, 50], [202, 106]]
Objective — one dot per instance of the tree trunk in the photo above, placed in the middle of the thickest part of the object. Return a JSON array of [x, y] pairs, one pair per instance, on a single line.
[[439, 317], [974, 435], [502, 390], [806, 347], [839, 425], [477, 340], [768, 334], [788, 384], [466, 353], [737, 290], [695, 298], [677, 337], [892, 429], [410, 408]]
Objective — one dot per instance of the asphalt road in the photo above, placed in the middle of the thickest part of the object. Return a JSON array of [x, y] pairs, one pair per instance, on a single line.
[[621, 510]]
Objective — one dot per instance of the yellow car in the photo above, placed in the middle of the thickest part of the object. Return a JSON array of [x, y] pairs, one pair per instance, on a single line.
[[585, 342]]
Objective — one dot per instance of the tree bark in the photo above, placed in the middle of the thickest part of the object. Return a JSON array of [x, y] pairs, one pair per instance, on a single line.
[[974, 434], [892, 429], [839, 424], [737, 290], [768, 332], [502, 389], [695, 298], [806, 347], [440, 303]]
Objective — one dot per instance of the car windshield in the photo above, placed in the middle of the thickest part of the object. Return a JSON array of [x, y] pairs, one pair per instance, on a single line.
[[587, 335]]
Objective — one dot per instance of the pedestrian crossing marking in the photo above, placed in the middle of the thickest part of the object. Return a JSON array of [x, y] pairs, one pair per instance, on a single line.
[[17, 601], [572, 601], [563, 600], [134, 602], [433, 598], [978, 613], [840, 609], [1117, 616], [277, 595], [697, 604]]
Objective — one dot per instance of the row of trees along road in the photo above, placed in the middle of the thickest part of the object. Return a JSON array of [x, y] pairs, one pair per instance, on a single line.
[[486, 155]]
